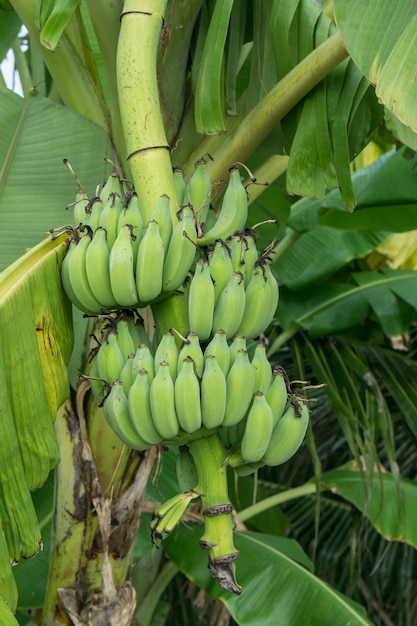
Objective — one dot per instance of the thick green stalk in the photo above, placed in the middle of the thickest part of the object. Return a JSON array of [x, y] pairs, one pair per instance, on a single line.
[[209, 455], [149, 154], [261, 120], [72, 69]]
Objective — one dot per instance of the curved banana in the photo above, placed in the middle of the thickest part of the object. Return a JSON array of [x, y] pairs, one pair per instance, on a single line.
[[180, 186], [109, 359], [126, 375], [167, 350], [161, 213], [109, 217], [230, 307], [122, 276], [97, 269], [199, 191], [261, 302], [150, 263], [213, 393], [74, 276], [187, 397], [80, 205], [192, 349], [277, 394], [139, 400], [288, 434], [240, 384], [186, 470], [93, 212], [162, 397], [221, 268], [181, 251], [144, 360], [131, 214], [258, 429], [116, 410], [219, 348], [125, 340], [112, 185], [234, 211], [238, 343], [263, 369], [201, 301]]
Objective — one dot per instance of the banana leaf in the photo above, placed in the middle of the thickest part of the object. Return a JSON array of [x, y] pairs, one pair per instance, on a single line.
[[269, 569], [329, 308], [381, 40]]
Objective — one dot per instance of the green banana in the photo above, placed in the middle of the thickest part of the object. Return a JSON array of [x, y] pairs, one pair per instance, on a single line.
[[244, 253], [122, 276], [186, 470], [137, 328], [213, 393], [181, 251], [192, 349], [161, 213], [187, 397], [277, 394], [258, 429], [74, 276], [238, 343], [180, 186], [150, 263], [201, 301], [140, 408], [288, 434], [131, 214], [109, 359], [240, 384], [97, 269], [125, 340], [93, 211], [109, 217], [126, 374], [162, 397], [199, 191], [219, 348], [116, 411], [263, 369], [261, 302], [221, 268], [230, 307], [112, 185], [233, 213], [167, 350], [81, 199], [144, 360]]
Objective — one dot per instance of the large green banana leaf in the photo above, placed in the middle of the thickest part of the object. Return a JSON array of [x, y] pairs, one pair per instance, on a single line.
[[381, 39], [35, 185]]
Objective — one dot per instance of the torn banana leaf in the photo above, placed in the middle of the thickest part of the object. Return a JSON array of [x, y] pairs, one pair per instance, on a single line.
[[36, 344]]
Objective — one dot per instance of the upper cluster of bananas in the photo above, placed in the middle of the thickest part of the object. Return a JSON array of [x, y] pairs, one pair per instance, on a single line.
[[173, 395], [115, 261]]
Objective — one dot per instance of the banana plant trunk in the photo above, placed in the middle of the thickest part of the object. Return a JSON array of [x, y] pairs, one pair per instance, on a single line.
[[100, 483]]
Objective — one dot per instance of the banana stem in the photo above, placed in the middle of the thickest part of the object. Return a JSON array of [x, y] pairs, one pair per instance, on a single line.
[[209, 454], [276, 104], [149, 154]]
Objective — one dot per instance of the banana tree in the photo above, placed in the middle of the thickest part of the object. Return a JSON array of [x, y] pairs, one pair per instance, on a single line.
[[144, 94]]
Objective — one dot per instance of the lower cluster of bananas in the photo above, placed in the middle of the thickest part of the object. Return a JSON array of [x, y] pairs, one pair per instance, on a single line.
[[174, 395]]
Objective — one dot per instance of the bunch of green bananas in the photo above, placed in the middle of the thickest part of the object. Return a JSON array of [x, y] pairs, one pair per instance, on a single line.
[[174, 395], [115, 261], [201, 392]]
